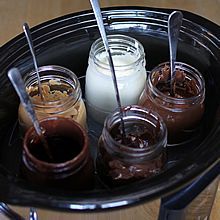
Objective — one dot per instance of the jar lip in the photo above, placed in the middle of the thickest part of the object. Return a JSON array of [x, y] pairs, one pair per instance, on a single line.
[[186, 68], [74, 95], [74, 161], [130, 151], [115, 38]]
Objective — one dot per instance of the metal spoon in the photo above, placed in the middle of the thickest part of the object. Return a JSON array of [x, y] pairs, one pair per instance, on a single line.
[[30, 43], [98, 16], [33, 214], [17, 81], [174, 25], [9, 213]]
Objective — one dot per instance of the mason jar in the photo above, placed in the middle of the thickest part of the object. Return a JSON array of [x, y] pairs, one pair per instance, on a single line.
[[62, 95], [66, 163], [181, 111], [129, 63], [137, 154]]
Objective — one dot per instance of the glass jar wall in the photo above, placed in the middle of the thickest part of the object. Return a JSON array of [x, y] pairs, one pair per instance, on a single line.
[[182, 110], [137, 154], [62, 95], [129, 63]]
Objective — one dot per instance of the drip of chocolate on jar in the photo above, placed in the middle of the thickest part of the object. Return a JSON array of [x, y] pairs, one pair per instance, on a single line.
[[182, 86]]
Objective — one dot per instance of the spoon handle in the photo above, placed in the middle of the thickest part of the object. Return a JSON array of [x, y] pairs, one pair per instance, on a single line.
[[98, 16], [33, 214], [174, 25], [31, 46], [17, 81]]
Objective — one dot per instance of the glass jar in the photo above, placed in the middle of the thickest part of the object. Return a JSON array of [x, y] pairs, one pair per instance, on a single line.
[[129, 63], [69, 166], [140, 153], [62, 95], [181, 111]]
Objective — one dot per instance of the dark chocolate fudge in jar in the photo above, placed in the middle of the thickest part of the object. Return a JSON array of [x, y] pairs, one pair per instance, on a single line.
[[63, 160], [139, 153], [182, 107]]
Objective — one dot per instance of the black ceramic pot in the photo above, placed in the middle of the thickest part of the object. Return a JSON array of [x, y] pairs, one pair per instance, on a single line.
[[66, 41]]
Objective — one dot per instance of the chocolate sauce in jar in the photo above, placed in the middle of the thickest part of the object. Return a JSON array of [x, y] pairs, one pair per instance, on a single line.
[[183, 85], [135, 137], [182, 110], [140, 154], [62, 149], [71, 166]]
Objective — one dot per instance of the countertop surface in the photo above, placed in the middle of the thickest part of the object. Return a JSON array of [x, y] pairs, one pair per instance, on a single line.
[[14, 13]]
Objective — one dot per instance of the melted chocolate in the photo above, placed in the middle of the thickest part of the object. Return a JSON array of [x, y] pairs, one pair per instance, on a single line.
[[114, 170], [180, 117], [183, 86], [71, 166], [62, 149], [138, 137]]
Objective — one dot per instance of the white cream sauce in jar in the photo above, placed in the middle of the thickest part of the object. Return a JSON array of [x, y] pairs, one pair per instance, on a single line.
[[129, 63]]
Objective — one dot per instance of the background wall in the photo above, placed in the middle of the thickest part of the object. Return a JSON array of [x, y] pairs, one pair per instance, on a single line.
[[13, 13]]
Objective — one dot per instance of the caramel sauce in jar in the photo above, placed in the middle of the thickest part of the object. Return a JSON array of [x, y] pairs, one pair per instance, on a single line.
[[61, 92]]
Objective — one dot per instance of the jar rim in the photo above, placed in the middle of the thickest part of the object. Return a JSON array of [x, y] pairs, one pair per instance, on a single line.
[[130, 151], [75, 161], [187, 68], [116, 38], [74, 95]]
